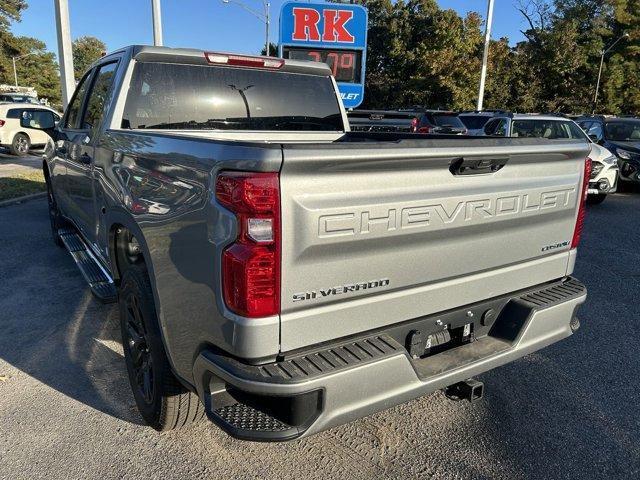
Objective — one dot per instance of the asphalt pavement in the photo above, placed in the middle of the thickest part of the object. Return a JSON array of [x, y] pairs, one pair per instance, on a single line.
[[568, 411], [10, 165]]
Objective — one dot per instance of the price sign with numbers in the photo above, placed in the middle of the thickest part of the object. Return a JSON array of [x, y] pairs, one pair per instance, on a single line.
[[335, 34]]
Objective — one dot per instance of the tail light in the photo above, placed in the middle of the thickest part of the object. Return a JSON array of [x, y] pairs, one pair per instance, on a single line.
[[414, 124], [425, 129], [582, 208], [251, 265], [2, 122]]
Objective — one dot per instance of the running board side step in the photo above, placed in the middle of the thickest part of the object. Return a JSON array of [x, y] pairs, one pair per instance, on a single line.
[[100, 283]]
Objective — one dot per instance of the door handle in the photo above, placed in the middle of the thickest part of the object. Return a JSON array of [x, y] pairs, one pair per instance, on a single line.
[[85, 159], [477, 166]]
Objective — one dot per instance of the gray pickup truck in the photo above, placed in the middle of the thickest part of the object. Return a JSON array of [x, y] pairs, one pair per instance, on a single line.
[[284, 275]]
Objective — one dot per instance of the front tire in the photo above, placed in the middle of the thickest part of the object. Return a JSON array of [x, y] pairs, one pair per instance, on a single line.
[[20, 145], [596, 199], [163, 402]]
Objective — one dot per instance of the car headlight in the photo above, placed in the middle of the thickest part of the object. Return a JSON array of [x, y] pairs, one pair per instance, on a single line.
[[624, 154], [596, 168]]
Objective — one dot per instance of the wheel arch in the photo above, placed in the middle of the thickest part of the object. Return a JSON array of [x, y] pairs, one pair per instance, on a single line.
[[120, 220], [118, 224], [18, 132]]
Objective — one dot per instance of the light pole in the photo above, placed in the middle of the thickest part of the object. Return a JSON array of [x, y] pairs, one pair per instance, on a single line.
[[156, 15], [15, 71], [603, 53], [65, 52], [260, 16], [485, 55]]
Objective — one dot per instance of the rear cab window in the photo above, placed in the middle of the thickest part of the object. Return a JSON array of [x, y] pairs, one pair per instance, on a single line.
[[197, 97]]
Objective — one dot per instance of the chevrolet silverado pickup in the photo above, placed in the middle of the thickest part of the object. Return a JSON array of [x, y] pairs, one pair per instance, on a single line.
[[284, 275]]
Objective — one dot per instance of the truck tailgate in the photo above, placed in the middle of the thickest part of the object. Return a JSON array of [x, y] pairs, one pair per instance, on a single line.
[[375, 233]]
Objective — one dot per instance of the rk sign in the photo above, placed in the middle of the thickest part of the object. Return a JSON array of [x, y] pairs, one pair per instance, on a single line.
[[335, 34]]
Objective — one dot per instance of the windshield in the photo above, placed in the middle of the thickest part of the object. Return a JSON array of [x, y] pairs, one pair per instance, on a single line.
[[474, 122], [624, 131], [193, 97], [447, 120]]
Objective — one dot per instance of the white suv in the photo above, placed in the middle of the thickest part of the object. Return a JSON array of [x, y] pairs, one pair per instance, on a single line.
[[19, 126], [604, 166]]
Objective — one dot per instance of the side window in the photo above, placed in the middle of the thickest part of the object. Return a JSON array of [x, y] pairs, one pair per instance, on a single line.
[[99, 96], [73, 115], [501, 129], [490, 127], [595, 129], [575, 131], [40, 118], [14, 113]]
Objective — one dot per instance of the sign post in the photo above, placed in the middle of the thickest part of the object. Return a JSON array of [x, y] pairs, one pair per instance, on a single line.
[[333, 33]]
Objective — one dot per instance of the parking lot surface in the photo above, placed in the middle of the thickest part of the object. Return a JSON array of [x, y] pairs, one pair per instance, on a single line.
[[11, 165], [66, 411]]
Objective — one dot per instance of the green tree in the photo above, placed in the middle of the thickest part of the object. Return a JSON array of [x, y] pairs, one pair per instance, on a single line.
[[86, 50], [561, 57], [273, 50], [38, 69], [10, 10], [419, 54]]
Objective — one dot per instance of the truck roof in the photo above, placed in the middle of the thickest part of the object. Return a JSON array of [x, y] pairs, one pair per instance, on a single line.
[[194, 56]]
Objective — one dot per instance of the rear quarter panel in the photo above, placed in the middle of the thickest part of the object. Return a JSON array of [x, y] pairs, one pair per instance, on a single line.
[[162, 188]]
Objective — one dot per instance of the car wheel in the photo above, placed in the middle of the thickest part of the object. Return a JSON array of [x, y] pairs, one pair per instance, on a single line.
[[596, 199], [55, 218], [20, 145], [162, 401]]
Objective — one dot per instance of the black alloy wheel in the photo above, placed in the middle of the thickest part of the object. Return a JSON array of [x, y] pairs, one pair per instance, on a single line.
[[138, 347]]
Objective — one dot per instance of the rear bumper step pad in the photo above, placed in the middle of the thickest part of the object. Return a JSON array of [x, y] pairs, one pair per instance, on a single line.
[[358, 376]]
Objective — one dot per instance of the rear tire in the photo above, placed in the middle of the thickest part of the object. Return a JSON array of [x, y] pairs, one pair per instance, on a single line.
[[20, 145], [596, 199], [163, 402]]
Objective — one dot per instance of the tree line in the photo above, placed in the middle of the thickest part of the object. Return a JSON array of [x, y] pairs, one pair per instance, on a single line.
[[420, 54], [35, 66]]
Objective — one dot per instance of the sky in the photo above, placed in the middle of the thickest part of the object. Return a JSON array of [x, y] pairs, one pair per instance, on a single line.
[[205, 24]]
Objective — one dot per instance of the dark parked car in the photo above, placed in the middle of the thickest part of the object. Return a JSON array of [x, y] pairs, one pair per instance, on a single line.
[[382, 121], [436, 121], [620, 135], [475, 120]]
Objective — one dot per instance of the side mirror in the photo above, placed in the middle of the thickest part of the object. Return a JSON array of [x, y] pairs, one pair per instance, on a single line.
[[37, 120], [595, 138]]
